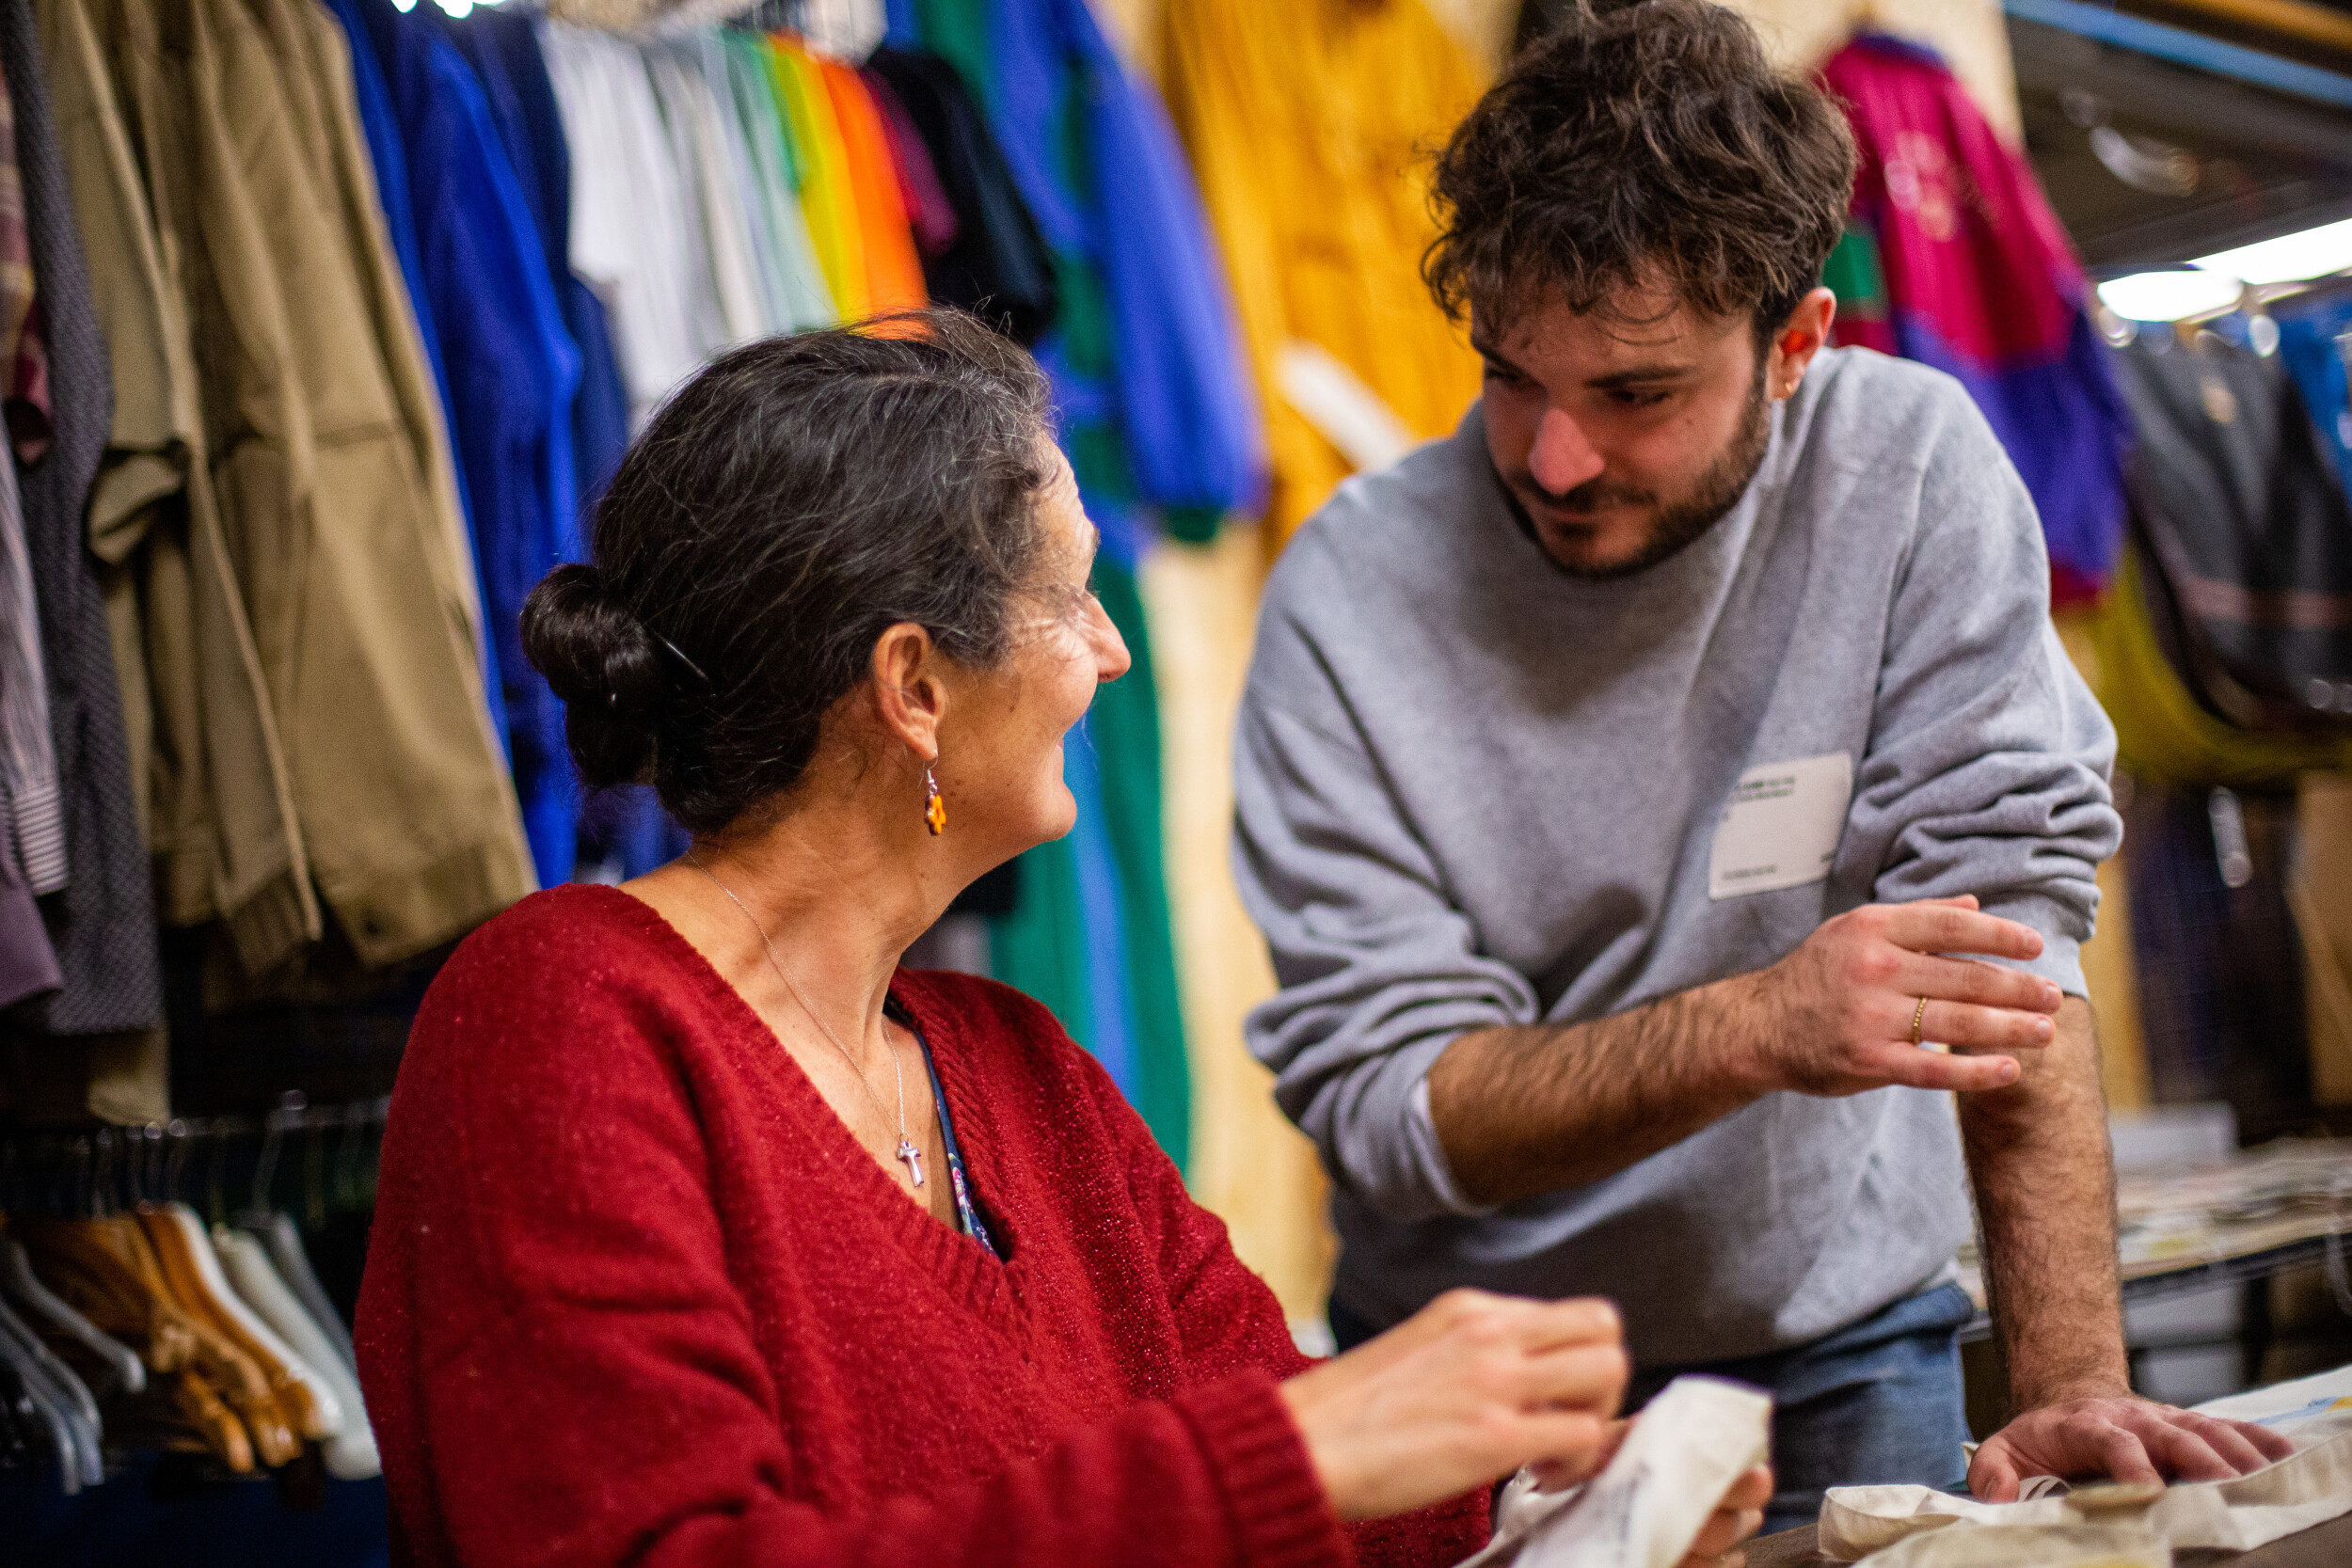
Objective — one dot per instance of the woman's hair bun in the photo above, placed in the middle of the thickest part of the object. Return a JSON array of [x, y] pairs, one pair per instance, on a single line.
[[605, 665]]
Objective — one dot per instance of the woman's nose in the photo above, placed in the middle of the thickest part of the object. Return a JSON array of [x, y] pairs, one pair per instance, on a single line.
[[1561, 458], [1111, 658]]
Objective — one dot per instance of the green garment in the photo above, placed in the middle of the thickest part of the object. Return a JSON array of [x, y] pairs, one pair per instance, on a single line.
[[799, 279], [1855, 275], [1041, 948], [1125, 727], [956, 30]]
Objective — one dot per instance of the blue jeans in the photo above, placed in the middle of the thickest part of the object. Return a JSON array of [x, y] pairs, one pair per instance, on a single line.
[[1877, 1402]]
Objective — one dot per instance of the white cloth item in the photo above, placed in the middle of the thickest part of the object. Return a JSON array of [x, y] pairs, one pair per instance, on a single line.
[[2307, 1488], [2029, 1547], [327, 1411], [2288, 1405], [726, 292], [845, 29], [807, 298], [629, 237], [1663, 1484], [350, 1453], [705, 53]]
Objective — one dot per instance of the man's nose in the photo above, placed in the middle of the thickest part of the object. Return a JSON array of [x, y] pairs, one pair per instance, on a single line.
[[1561, 458]]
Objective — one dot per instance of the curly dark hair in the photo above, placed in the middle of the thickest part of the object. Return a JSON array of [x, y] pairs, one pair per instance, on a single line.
[[1639, 143], [787, 506]]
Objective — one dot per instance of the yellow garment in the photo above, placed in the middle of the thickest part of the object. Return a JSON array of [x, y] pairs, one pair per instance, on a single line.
[[2321, 897], [1310, 125], [894, 273], [2161, 730], [828, 200]]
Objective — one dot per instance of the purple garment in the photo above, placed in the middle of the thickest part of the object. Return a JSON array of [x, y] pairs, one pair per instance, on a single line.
[[1984, 285], [28, 965]]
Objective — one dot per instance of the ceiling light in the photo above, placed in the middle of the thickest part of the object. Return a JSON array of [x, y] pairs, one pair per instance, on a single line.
[[2162, 296], [2287, 258]]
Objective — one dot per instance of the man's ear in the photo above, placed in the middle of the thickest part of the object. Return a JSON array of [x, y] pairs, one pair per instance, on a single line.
[[1796, 341], [910, 695]]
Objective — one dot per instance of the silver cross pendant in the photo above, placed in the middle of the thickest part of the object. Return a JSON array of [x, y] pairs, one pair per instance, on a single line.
[[913, 1157]]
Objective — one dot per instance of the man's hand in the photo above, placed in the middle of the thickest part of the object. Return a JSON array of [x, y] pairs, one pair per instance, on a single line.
[[1836, 1015], [1534, 1108], [1738, 1514], [2121, 1439]]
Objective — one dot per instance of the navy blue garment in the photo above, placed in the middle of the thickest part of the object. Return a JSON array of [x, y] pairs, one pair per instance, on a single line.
[[628, 827], [1180, 394], [382, 129], [967, 1213], [504, 52], [512, 371]]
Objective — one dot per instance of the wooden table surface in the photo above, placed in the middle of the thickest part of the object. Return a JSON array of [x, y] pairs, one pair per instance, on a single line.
[[2328, 1546]]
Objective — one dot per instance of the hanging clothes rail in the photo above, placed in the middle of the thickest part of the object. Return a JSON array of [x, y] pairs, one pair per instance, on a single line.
[[124, 1307]]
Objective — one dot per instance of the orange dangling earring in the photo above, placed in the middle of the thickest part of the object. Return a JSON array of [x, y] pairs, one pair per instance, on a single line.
[[934, 804]]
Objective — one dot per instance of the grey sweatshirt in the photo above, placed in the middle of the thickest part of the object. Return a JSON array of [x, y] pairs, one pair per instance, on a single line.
[[1473, 790]]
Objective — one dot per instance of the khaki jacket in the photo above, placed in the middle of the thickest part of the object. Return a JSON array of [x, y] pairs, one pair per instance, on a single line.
[[295, 583]]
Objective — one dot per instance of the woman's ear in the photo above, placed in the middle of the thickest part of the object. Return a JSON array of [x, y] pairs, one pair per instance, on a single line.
[[910, 693]]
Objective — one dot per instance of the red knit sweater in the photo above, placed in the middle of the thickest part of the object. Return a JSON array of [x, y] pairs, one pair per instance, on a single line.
[[635, 1294]]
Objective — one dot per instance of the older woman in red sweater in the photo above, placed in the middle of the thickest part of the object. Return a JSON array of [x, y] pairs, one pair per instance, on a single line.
[[707, 1234]]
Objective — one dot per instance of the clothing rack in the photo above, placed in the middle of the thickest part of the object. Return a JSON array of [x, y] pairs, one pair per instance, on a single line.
[[84, 1173]]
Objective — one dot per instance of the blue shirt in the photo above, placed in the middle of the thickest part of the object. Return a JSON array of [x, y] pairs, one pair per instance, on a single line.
[[512, 371]]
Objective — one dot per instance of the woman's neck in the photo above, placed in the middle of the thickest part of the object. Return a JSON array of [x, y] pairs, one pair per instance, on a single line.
[[824, 898]]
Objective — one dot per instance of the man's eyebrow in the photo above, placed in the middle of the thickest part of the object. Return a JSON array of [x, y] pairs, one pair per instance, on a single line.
[[1488, 351], [1640, 376], [1635, 376]]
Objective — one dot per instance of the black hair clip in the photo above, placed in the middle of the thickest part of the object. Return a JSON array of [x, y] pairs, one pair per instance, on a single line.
[[678, 654]]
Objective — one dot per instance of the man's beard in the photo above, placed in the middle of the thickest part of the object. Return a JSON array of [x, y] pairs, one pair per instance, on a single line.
[[1676, 527]]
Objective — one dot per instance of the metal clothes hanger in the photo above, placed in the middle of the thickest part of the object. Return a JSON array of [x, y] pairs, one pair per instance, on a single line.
[[31, 1396], [64, 1390], [126, 1373]]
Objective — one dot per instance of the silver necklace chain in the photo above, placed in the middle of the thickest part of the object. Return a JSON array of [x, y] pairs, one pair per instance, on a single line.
[[907, 1153]]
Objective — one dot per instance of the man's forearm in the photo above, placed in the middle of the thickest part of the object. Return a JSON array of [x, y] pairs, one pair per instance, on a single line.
[[2045, 1199], [1534, 1108]]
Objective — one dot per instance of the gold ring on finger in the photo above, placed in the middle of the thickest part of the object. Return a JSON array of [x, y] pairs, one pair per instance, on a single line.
[[1918, 1018]]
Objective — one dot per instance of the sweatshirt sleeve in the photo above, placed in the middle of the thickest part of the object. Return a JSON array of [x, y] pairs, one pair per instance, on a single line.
[[1987, 771], [1380, 971], [567, 1373]]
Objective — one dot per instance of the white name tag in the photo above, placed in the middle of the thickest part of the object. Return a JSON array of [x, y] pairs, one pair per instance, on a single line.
[[1780, 828]]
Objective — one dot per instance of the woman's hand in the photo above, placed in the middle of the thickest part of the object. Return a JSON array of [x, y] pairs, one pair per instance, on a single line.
[[1469, 1388], [1739, 1516]]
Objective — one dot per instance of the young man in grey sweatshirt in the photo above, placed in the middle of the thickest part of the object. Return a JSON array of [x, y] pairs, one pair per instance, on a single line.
[[1625, 781]]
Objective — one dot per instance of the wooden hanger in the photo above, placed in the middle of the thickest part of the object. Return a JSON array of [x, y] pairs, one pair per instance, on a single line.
[[253, 1387], [318, 1414], [108, 1268]]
